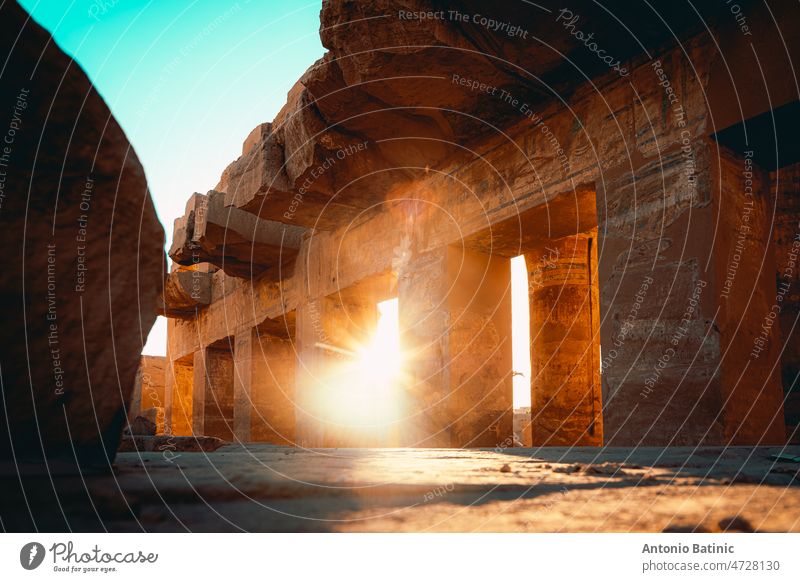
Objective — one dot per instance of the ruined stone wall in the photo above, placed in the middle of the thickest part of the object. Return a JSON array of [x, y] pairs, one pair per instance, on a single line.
[[641, 144], [598, 130], [149, 391]]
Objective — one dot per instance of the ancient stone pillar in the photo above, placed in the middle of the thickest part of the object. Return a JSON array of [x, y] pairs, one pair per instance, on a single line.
[[688, 284], [750, 296], [455, 321], [313, 271], [212, 394], [272, 416], [264, 405], [310, 370], [178, 396], [135, 405], [424, 339], [480, 364], [169, 397], [200, 388], [243, 384], [566, 407]]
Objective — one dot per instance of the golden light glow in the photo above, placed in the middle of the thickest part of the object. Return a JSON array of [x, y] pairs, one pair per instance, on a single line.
[[363, 394], [380, 359], [520, 332]]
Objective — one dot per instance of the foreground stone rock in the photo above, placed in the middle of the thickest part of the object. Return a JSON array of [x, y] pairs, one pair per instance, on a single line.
[[84, 258], [141, 426]]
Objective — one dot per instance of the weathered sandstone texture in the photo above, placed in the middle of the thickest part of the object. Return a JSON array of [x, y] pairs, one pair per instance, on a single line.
[[149, 389], [83, 256], [264, 488], [418, 156]]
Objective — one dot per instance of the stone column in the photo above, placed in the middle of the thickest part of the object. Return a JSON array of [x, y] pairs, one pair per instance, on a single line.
[[178, 391], [169, 397], [481, 392], [243, 385], [751, 296], [212, 411], [455, 320], [200, 388], [687, 284], [273, 390], [424, 320], [566, 398], [309, 373], [313, 272], [135, 405]]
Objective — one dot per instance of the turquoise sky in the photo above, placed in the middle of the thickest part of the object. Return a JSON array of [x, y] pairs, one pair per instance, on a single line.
[[187, 80]]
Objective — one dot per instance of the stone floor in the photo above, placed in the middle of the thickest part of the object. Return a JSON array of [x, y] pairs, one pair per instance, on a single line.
[[267, 488]]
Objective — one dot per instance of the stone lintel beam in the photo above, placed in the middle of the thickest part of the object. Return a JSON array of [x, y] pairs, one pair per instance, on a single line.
[[181, 250], [236, 241], [360, 123], [258, 182], [260, 168], [184, 291], [309, 210]]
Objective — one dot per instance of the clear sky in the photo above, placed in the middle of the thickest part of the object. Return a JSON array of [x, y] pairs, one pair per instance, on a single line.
[[186, 79]]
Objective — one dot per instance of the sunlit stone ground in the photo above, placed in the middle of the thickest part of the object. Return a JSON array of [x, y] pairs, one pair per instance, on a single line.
[[266, 488]]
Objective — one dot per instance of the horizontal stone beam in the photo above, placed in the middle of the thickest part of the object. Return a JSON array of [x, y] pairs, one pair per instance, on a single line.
[[238, 242], [185, 291], [347, 140], [259, 182]]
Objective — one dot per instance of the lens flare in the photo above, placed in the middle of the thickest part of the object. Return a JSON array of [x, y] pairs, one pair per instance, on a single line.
[[363, 394]]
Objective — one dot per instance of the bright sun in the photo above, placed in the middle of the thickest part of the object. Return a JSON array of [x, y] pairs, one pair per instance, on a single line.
[[363, 394], [380, 360]]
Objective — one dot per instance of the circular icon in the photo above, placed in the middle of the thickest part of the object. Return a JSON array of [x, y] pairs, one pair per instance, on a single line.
[[31, 555]]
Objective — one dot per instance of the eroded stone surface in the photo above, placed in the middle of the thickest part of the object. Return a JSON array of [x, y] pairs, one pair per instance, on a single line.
[[84, 255], [185, 290], [265, 488], [393, 164], [238, 242], [174, 444]]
